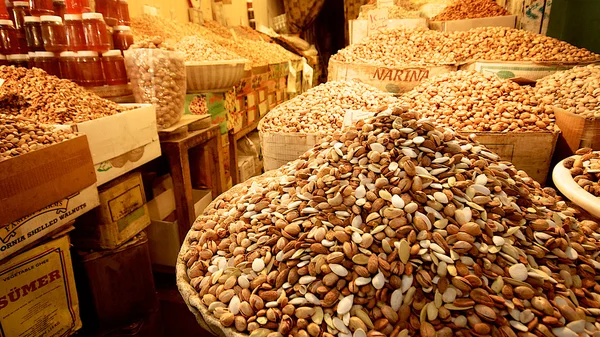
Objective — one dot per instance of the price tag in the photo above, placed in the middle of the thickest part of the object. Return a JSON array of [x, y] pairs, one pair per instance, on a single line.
[[378, 19], [385, 3]]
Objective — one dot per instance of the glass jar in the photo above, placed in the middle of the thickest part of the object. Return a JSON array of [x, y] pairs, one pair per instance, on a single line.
[[18, 60], [123, 13], [74, 32], [33, 33], [41, 7], [60, 8], [113, 65], [109, 9], [122, 37], [46, 61], [9, 42], [74, 6], [89, 67], [53, 33], [31, 55], [20, 11], [68, 66], [3, 60], [95, 32], [4, 11]]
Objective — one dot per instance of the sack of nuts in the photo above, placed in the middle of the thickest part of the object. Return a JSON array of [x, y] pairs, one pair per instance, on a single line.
[[158, 77]]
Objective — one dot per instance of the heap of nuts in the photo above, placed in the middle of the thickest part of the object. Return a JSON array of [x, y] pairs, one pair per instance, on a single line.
[[19, 135], [158, 77], [585, 169], [396, 227], [198, 49], [403, 47], [394, 12], [576, 90], [321, 109], [43, 98], [471, 9], [472, 101]]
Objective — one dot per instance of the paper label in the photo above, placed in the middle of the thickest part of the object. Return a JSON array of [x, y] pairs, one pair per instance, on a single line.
[[291, 82], [307, 75], [37, 296], [377, 20]]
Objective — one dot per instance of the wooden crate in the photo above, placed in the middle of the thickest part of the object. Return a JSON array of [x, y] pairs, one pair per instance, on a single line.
[[528, 151], [576, 132], [122, 214], [116, 287]]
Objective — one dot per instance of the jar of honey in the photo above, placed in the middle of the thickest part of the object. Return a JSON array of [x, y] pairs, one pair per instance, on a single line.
[[33, 33], [9, 42], [20, 11], [3, 61], [122, 37], [123, 13], [60, 8], [74, 32], [41, 7], [109, 9], [68, 66], [48, 62], [18, 60], [95, 32], [89, 67], [31, 55], [4, 11], [53, 33], [113, 64]]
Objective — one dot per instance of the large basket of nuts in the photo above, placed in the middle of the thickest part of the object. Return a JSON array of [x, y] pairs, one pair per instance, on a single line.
[[578, 178], [213, 76], [396, 227]]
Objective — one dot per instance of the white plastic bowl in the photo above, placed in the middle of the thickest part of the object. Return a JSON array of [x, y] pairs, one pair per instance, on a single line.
[[566, 185]]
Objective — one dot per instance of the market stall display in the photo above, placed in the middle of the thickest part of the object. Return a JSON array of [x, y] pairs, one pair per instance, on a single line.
[[471, 9], [295, 126], [395, 227], [578, 178]]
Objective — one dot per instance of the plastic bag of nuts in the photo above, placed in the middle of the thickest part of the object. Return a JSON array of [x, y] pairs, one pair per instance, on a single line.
[[158, 77]]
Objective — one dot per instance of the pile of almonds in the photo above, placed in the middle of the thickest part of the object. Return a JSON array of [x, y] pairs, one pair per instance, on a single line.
[[576, 90], [472, 101], [321, 109], [585, 170], [19, 135], [396, 228], [154, 42], [412, 47], [471, 9], [197, 49], [49, 100]]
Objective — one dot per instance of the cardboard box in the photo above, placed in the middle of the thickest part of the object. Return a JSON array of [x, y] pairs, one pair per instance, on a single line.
[[163, 234], [359, 28], [115, 167], [215, 103], [119, 143], [528, 151], [394, 80], [38, 295], [36, 179], [575, 132], [31, 228], [463, 25], [122, 214], [519, 71]]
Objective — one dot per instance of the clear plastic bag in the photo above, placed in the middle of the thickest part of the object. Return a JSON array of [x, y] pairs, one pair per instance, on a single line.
[[158, 77]]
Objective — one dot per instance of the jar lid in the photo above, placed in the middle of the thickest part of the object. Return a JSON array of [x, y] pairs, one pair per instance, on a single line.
[[44, 54], [114, 52], [31, 19], [31, 54], [6, 23], [122, 28], [2, 57], [68, 54], [125, 1], [71, 17], [87, 53], [51, 18], [18, 57], [21, 4], [93, 16]]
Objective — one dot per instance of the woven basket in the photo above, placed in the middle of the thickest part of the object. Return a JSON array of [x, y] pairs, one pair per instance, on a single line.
[[214, 76], [206, 320]]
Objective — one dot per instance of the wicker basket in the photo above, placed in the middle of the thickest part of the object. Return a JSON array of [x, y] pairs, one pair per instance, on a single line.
[[213, 76]]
